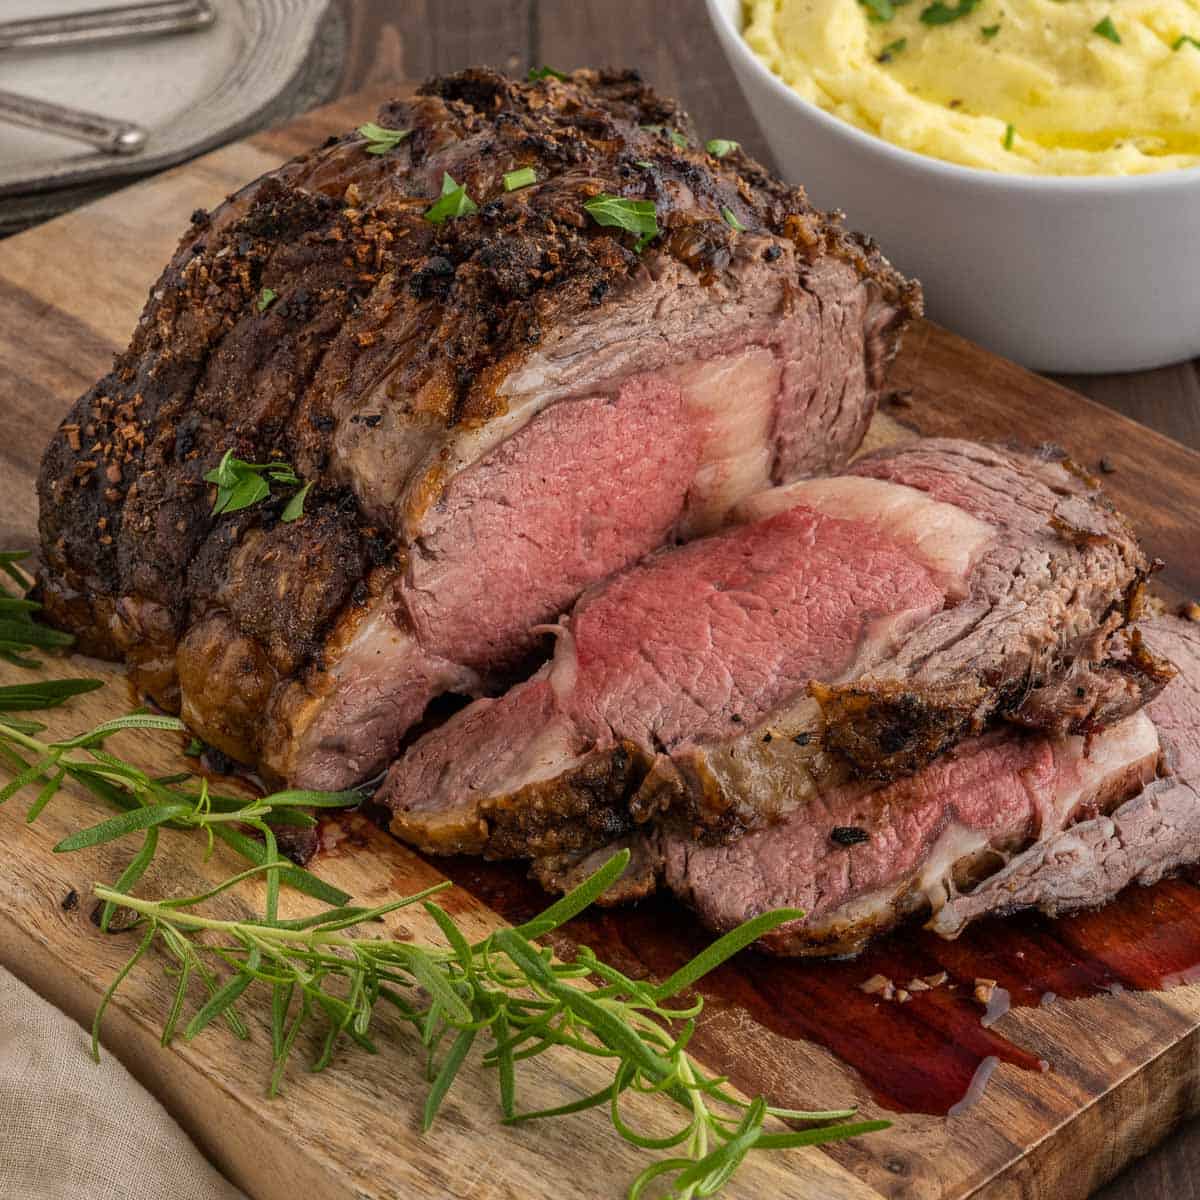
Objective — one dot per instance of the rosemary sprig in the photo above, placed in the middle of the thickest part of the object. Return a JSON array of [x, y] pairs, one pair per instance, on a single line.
[[19, 632], [44, 693], [506, 986], [146, 803]]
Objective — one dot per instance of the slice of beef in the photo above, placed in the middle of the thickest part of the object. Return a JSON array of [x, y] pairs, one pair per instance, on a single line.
[[863, 857], [1037, 604], [1144, 839], [708, 685], [494, 411]]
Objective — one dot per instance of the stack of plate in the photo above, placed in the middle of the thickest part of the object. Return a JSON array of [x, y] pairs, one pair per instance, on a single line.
[[259, 61]]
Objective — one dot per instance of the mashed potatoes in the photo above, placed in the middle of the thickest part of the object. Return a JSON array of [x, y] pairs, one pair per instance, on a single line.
[[1042, 87]]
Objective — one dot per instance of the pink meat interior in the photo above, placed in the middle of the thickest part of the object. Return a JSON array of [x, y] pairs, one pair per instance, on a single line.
[[695, 642]]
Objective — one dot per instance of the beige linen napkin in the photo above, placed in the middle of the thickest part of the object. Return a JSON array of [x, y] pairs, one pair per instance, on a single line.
[[72, 1129]]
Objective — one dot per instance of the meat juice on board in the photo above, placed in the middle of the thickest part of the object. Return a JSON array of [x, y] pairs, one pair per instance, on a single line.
[[924, 1056]]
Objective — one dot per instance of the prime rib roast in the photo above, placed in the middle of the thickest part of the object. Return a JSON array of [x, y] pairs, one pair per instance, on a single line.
[[495, 410], [1155, 832], [865, 622], [1007, 820], [599, 481]]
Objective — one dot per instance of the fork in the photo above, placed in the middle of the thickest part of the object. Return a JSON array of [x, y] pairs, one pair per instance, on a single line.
[[94, 25]]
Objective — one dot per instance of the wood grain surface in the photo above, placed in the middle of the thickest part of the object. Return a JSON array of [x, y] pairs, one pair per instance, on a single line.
[[1125, 1066]]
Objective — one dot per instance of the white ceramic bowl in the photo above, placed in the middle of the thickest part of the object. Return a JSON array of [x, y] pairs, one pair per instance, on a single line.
[[1089, 274]]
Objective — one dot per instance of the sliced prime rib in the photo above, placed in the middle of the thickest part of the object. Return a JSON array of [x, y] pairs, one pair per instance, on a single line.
[[1004, 821], [1144, 839], [864, 857], [951, 584], [494, 411]]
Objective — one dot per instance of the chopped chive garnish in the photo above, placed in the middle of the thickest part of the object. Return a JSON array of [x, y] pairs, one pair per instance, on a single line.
[[519, 179], [731, 219], [1009, 133], [891, 50], [990, 31], [1106, 29], [1185, 40]]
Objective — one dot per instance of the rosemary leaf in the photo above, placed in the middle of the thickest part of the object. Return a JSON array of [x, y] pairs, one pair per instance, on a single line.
[[132, 873], [445, 1076], [120, 826]]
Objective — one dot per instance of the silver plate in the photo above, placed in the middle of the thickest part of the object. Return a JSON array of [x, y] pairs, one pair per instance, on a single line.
[[192, 91]]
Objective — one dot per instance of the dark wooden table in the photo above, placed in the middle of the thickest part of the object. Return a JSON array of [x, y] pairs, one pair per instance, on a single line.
[[670, 42]]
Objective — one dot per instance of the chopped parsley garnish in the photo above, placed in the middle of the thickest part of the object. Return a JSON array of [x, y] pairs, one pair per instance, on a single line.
[[879, 11], [637, 216], [241, 484], [265, 299], [1185, 40], [891, 50], [942, 14], [681, 143], [1009, 134], [519, 179], [381, 140], [453, 202], [720, 147], [641, 162], [1106, 29], [731, 220], [544, 73], [294, 509], [990, 31]]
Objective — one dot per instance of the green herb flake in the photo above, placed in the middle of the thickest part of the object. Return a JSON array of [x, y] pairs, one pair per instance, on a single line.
[[265, 299], [637, 216], [990, 31], [294, 509], [1185, 40], [243, 484], [942, 14], [519, 179], [891, 50], [536, 73], [19, 631], [381, 140], [677, 139], [730, 219], [194, 748], [720, 147], [878, 11], [453, 202], [1106, 29], [1009, 134]]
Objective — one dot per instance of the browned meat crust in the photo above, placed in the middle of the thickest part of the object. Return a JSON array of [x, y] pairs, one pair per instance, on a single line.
[[366, 289]]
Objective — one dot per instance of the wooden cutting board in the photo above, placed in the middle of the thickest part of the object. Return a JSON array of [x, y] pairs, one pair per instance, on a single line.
[[1123, 1068]]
